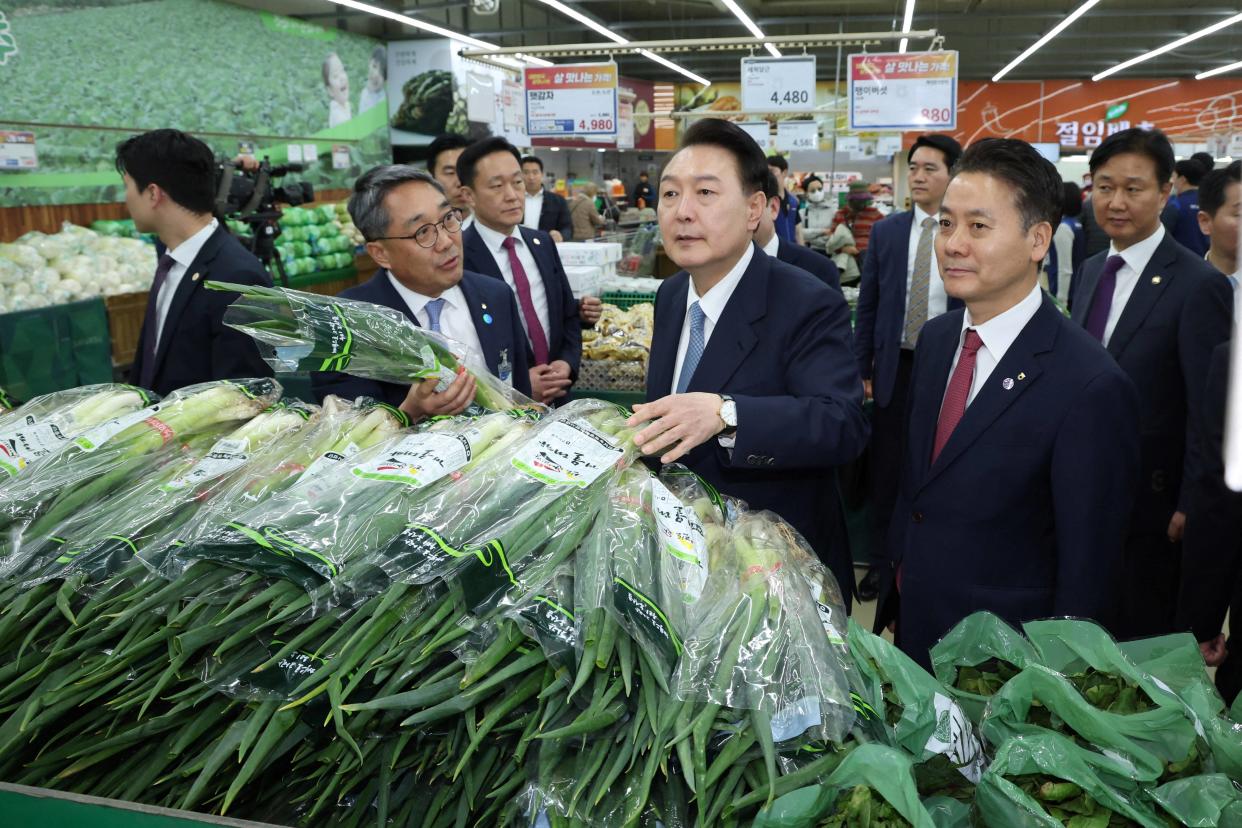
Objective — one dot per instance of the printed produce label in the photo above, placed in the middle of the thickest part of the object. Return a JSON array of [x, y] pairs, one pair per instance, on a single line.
[[418, 460], [681, 534], [30, 443], [100, 434], [327, 461], [955, 738], [824, 611], [566, 454], [224, 457], [647, 616]]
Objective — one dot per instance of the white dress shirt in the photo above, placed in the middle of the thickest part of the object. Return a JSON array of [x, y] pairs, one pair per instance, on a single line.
[[712, 304], [937, 299], [534, 208], [1063, 240], [538, 295], [455, 320], [772, 247], [183, 256], [466, 222], [998, 334], [1136, 256]]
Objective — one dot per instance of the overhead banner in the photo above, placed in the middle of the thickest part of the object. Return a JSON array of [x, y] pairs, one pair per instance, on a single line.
[[910, 91], [571, 99], [778, 84]]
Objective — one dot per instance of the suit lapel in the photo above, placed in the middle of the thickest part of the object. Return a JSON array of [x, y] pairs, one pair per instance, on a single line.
[[480, 255], [733, 337], [1019, 369], [540, 252], [191, 281], [670, 314], [1151, 285], [1083, 294], [485, 330], [933, 378]]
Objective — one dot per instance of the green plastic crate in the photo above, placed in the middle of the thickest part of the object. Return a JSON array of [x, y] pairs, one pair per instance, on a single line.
[[51, 349], [625, 301], [23, 806]]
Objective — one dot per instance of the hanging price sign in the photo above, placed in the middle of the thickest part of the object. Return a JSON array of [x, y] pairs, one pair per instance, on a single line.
[[778, 84], [797, 135], [761, 131], [571, 99], [903, 91]]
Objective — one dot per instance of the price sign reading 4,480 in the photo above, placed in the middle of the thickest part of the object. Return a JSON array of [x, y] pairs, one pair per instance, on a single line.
[[578, 99], [778, 84]]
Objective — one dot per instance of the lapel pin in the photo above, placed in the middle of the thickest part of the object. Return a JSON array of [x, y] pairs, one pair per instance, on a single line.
[[1022, 376], [536, 241], [484, 305], [194, 278], [1008, 384], [1155, 280], [487, 319]]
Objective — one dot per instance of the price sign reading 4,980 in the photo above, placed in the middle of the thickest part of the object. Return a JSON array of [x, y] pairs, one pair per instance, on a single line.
[[778, 84], [911, 91], [576, 99]]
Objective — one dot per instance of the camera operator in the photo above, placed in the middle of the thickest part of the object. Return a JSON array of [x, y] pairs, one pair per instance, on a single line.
[[170, 191]]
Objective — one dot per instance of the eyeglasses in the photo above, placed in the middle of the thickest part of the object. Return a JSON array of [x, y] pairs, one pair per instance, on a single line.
[[429, 234]]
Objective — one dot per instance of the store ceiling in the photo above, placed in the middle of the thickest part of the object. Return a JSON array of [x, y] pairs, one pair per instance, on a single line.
[[987, 33]]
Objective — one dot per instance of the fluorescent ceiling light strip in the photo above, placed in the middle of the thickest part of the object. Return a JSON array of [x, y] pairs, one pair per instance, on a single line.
[[1168, 47], [1056, 30], [1219, 70], [741, 15], [649, 55], [772, 50], [906, 24], [417, 24]]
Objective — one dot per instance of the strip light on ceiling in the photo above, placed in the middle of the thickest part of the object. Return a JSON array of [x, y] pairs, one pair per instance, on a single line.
[[1219, 70], [1056, 30], [906, 25], [741, 15], [1168, 47]]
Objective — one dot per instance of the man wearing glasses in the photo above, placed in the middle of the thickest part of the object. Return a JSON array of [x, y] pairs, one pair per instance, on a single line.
[[414, 234]]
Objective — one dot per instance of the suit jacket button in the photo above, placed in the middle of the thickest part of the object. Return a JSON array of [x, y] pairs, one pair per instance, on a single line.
[[1158, 481], [917, 517], [771, 461], [753, 460]]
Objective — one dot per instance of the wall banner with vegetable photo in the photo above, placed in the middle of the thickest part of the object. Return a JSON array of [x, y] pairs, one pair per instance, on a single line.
[[86, 74]]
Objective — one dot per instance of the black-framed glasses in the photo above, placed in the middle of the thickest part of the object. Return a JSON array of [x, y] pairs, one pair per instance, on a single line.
[[429, 234]]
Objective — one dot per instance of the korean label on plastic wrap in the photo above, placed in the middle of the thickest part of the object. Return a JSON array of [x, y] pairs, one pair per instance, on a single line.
[[681, 535], [566, 454], [225, 456], [823, 610], [327, 461], [955, 738], [100, 434], [418, 460], [28, 443], [794, 720]]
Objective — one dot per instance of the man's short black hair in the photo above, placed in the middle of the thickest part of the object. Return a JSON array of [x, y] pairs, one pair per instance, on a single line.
[[752, 166], [1206, 159], [1212, 188], [444, 143], [1149, 142], [532, 159], [772, 187], [1192, 170], [1038, 190], [1071, 205], [476, 152], [944, 144], [779, 162], [179, 164]]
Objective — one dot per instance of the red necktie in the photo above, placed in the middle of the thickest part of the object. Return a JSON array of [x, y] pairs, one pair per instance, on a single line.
[[954, 405], [538, 339]]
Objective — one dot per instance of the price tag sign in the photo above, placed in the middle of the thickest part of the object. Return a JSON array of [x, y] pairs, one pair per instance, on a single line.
[[761, 132], [571, 99], [797, 135], [912, 91], [848, 143], [17, 151], [888, 145], [778, 84]]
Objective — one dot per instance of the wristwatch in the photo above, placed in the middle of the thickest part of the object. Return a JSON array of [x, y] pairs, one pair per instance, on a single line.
[[728, 414]]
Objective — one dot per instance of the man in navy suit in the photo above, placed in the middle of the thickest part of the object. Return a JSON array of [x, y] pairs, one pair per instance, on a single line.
[[803, 258], [1160, 310], [1022, 454], [170, 191], [545, 210], [414, 234], [526, 260], [900, 289], [750, 381]]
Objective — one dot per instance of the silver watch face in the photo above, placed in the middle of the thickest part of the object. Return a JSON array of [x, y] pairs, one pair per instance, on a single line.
[[728, 413]]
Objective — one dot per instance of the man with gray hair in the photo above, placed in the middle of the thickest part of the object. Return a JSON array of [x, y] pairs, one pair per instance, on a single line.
[[414, 234]]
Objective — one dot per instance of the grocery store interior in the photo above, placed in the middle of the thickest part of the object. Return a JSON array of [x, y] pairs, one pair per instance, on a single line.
[[897, 484]]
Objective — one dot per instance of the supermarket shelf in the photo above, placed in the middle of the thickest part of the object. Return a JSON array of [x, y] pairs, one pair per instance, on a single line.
[[21, 805]]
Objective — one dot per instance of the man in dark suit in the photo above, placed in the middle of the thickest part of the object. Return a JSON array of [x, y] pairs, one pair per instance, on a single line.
[[1160, 310], [1220, 217], [750, 381], [497, 245], [1022, 453], [803, 258], [414, 234], [545, 210], [170, 191], [899, 291]]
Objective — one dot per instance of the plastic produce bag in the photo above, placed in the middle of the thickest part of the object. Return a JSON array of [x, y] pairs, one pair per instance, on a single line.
[[1209, 801], [299, 331], [978, 656], [1040, 779]]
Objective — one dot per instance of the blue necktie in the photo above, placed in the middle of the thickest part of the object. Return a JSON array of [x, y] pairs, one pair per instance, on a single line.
[[694, 350], [434, 308]]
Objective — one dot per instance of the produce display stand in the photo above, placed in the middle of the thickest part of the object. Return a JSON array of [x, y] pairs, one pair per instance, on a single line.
[[53, 348], [25, 806], [323, 282], [125, 314]]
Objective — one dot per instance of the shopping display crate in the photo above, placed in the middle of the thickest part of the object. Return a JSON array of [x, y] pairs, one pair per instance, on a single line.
[[325, 282], [625, 301], [612, 375], [54, 348], [25, 806], [638, 249], [125, 314]]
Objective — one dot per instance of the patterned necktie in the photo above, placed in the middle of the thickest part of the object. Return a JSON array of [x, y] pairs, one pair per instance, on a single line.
[[1102, 301], [694, 350], [954, 405], [538, 339], [434, 308], [920, 284], [150, 322]]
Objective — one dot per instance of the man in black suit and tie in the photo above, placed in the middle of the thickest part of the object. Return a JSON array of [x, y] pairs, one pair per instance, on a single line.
[[750, 381], [803, 258], [414, 234], [545, 210], [526, 260], [1160, 310], [170, 191], [1022, 450]]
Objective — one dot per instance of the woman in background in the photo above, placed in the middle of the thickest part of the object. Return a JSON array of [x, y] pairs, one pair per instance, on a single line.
[[586, 221]]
